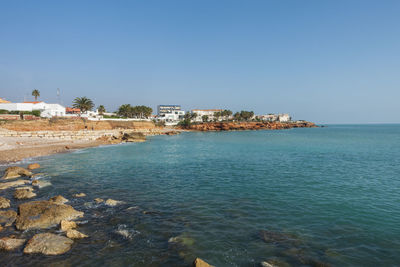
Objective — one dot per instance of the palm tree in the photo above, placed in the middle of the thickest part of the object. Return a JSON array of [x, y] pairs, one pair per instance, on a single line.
[[83, 103], [36, 93], [101, 109]]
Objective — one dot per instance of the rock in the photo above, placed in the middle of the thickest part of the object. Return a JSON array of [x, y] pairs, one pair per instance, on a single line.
[[4, 203], [7, 243], [44, 214], [40, 183], [7, 217], [111, 202], [74, 234], [99, 200], [58, 199], [48, 244], [125, 232], [275, 262], [267, 264], [182, 240], [15, 172], [37, 174], [200, 263], [80, 195], [33, 166], [278, 237], [24, 193], [133, 137], [67, 225], [1, 228], [13, 184]]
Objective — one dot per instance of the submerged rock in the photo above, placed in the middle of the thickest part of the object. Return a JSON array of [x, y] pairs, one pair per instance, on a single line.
[[74, 234], [33, 166], [278, 237], [44, 214], [275, 262], [15, 172], [8, 243], [111, 202], [58, 199], [99, 200], [40, 183], [182, 240], [200, 263], [7, 217], [4, 203], [13, 184], [48, 244], [67, 225], [125, 232], [24, 193], [80, 195]]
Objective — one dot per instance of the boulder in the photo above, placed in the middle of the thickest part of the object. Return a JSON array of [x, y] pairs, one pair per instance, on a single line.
[[67, 225], [80, 195], [13, 184], [44, 214], [133, 137], [37, 175], [111, 202], [8, 243], [4, 203], [15, 172], [33, 166], [200, 263], [74, 234], [58, 199], [7, 217], [48, 244], [40, 183], [24, 193], [99, 200]]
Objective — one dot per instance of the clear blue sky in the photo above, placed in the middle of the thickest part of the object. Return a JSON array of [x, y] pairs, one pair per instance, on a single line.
[[326, 61]]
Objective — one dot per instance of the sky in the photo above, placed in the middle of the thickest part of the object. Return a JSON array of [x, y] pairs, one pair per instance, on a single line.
[[333, 61]]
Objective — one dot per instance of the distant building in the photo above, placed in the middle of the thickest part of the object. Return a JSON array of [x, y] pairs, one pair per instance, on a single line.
[[165, 109], [284, 117], [2, 100], [46, 110], [69, 110], [205, 112], [275, 117]]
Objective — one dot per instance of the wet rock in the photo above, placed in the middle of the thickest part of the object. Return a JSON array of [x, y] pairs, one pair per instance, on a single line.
[[74, 234], [278, 237], [58, 199], [133, 137], [200, 263], [275, 262], [182, 240], [8, 243], [15, 172], [80, 195], [24, 193], [37, 175], [48, 244], [13, 184], [33, 166], [1, 228], [125, 232], [40, 183], [267, 264], [111, 202], [99, 200], [7, 217], [4, 203], [67, 225], [44, 214]]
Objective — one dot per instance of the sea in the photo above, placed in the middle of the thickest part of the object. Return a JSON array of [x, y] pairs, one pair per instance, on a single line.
[[326, 196]]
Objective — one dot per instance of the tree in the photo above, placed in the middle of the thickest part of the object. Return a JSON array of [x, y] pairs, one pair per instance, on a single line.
[[36, 93], [101, 109], [125, 110], [204, 118], [226, 114], [129, 111], [237, 116], [83, 103]]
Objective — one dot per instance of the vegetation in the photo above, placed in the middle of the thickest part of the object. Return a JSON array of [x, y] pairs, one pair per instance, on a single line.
[[129, 111], [243, 115], [36, 93], [204, 118], [16, 112], [187, 121], [101, 109], [225, 114], [83, 103]]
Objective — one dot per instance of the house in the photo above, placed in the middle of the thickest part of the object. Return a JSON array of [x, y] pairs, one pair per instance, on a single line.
[[69, 110], [284, 117], [46, 110], [205, 112], [165, 109]]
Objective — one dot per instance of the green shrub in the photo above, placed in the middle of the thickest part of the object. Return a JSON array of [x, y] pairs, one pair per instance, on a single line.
[[3, 111], [36, 113]]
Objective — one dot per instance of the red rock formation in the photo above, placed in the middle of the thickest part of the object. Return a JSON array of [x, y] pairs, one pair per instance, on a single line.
[[237, 126]]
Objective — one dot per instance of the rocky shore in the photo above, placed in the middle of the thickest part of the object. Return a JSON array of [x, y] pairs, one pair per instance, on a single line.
[[241, 126]]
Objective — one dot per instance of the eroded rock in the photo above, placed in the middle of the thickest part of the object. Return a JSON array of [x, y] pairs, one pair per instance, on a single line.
[[33, 166], [44, 214], [15, 172], [99, 200], [8, 243], [200, 263], [13, 184], [7, 217], [24, 193], [67, 225], [111, 202], [58, 199], [80, 195], [48, 244], [74, 234], [4, 203], [41, 183]]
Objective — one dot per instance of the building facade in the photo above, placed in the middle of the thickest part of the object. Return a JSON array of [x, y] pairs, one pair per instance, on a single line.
[[46, 110], [166, 109], [205, 112]]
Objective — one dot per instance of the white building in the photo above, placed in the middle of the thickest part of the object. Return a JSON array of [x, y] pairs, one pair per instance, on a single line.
[[46, 110], [172, 118], [205, 112], [284, 117]]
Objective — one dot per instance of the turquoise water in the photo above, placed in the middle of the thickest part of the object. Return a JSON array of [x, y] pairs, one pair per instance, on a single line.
[[319, 196]]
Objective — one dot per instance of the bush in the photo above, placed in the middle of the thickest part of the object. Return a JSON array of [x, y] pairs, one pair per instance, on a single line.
[[3, 111], [36, 113]]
